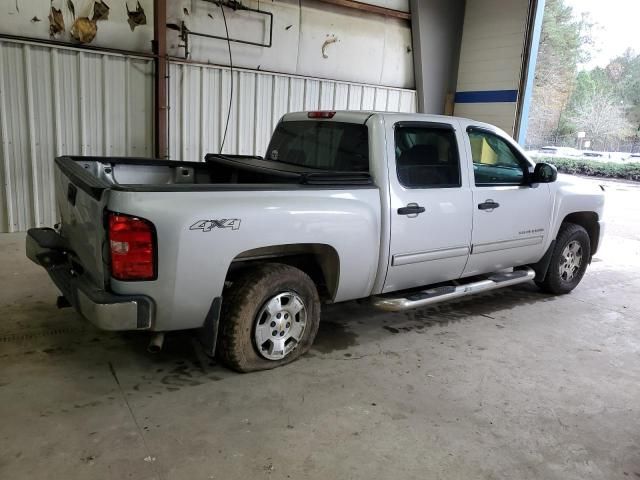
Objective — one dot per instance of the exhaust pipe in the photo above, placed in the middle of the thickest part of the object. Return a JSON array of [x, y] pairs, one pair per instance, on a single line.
[[155, 344], [62, 302]]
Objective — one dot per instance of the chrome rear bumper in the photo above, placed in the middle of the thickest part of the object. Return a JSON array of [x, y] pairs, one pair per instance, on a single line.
[[105, 310]]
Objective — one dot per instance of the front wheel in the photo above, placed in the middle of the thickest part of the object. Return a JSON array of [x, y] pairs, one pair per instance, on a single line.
[[568, 261], [270, 316]]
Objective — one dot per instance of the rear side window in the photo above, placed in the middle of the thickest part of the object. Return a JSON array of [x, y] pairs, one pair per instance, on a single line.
[[334, 146], [427, 156]]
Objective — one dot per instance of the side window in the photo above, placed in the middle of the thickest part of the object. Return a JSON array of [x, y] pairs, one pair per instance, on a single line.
[[427, 156], [494, 161]]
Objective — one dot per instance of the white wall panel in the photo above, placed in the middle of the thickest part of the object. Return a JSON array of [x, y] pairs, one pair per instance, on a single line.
[[281, 94], [296, 94], [397, 58], [341, 96], [354, 97], [18, 17], [368, 99], [368, 48], [407, 101], [198, 108], [58, 101], [380, 102], [246, 113]]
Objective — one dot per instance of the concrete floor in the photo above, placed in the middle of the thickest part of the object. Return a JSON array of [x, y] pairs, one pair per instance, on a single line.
[[512, 385]]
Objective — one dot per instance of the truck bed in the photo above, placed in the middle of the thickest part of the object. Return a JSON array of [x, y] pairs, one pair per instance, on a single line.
[[189, 205], [217, 172]]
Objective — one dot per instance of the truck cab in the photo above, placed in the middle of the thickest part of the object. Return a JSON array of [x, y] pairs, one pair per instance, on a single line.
[[461, 197]]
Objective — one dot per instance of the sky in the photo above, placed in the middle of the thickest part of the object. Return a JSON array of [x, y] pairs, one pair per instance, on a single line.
[[618, 27]]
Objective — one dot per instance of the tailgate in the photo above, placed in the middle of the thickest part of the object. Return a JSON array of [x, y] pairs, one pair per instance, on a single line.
[[81, 200]]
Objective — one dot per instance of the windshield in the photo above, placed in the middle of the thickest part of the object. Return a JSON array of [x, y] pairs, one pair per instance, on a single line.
[[334, 146]]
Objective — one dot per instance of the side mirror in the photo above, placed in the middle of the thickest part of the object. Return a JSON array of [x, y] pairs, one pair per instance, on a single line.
[[544, 173]]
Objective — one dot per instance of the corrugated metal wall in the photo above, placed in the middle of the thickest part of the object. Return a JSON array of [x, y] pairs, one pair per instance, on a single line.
[[199, 96], [56, 101]]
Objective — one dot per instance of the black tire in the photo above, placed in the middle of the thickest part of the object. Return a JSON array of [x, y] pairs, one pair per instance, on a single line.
[[244, 300], [553, 281]]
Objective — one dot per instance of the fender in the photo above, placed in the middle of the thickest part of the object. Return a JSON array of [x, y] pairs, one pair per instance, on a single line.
[[577, 201]]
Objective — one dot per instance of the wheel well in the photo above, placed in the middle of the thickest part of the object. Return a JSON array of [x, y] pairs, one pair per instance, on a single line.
[[589, 221], [320, 261]]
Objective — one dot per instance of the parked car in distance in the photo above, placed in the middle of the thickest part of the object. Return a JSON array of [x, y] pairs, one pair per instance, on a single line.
[[559, 151], [404, 209]]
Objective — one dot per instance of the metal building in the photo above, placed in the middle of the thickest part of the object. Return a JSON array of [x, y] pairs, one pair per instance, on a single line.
[[159, 88]]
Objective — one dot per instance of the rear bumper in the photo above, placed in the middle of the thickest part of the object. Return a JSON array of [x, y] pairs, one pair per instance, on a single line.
[[105, 310]]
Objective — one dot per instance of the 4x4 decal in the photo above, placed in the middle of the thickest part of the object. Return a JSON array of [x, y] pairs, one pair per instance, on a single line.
[[208, 225]]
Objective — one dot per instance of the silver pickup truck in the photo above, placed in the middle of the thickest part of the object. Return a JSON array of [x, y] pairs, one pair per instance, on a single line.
[[407, 209]]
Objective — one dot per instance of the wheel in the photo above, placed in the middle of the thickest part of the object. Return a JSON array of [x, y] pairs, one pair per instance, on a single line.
[[270, 316], [568, 261]]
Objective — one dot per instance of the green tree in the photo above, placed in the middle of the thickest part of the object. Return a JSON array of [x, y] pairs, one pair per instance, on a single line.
[[600, 114], [563, 45], [626, 81], [605, 102]]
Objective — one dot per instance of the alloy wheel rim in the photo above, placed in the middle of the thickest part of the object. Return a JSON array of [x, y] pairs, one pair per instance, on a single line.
[[280, 325], [570, 261]]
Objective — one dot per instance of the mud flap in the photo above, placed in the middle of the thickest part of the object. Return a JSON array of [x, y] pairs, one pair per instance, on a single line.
[[542, 266], [208, 333]]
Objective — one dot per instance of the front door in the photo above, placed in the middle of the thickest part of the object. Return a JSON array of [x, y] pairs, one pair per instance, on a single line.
[[510, 217], [430, 205]]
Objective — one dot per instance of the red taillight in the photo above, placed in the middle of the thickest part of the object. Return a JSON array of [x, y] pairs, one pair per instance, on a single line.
[[132, 246], [321, 114]]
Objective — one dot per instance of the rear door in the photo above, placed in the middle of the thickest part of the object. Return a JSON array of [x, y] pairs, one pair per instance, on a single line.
[[430, 205], [510, 217]]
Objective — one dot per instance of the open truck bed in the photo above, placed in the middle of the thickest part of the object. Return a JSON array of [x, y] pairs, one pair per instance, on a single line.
[[230, 205], [218, 172]]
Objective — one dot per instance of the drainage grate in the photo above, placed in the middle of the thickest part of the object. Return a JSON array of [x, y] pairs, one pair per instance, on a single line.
[[19, 337]]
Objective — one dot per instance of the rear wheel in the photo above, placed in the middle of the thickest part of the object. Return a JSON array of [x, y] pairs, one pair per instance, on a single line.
[[568, 261], [270, 317]]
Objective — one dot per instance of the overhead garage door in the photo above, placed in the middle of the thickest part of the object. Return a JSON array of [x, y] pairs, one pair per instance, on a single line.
[[491, 61]]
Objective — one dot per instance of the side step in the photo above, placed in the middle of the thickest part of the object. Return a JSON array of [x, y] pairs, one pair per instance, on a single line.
[[441, 294]]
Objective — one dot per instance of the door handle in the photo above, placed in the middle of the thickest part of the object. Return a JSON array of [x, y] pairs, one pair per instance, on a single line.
[[488, 205], [411, 209]]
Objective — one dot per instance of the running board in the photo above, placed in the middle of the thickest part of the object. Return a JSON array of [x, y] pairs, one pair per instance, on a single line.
[[441, 294]]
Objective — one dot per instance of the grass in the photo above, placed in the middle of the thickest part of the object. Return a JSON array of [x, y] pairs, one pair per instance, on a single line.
[[626, 171]]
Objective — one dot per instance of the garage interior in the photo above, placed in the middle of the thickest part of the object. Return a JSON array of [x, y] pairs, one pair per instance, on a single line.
[[512, 384]]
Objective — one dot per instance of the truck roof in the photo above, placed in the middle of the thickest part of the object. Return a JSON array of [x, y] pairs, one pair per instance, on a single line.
[[361, 116]]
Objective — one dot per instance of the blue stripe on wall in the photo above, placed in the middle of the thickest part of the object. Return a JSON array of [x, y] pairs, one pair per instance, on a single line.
[[487, 96]]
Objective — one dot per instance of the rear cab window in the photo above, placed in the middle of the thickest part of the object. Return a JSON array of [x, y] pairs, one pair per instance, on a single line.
[[322, 145]]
